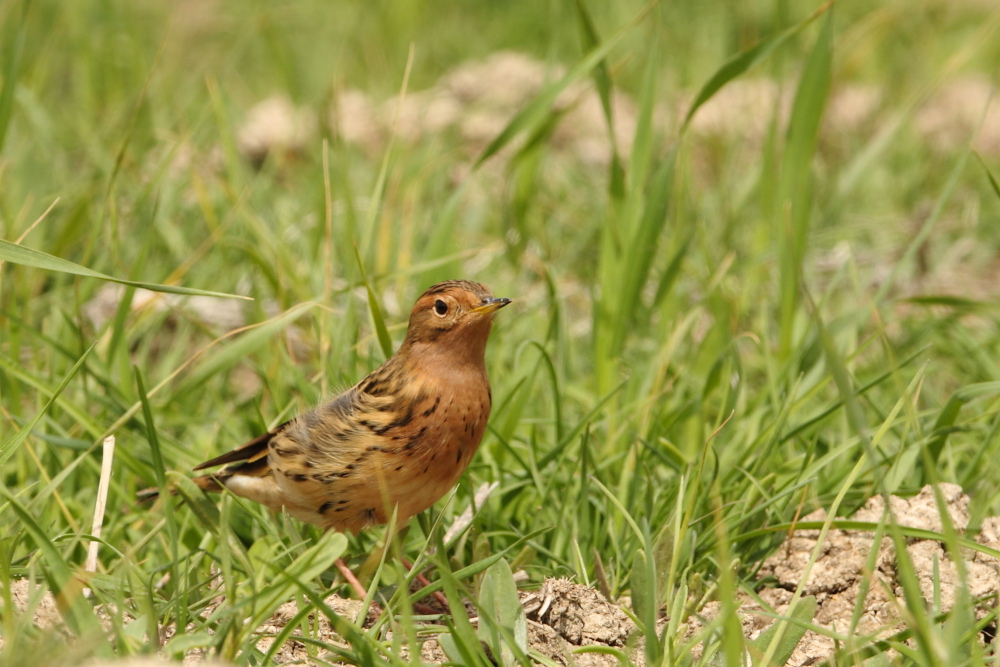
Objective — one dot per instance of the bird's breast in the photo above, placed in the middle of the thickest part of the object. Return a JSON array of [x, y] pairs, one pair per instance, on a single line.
[[440, 449]]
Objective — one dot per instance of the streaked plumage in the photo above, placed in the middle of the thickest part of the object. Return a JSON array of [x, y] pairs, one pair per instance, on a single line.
[[401, 436]]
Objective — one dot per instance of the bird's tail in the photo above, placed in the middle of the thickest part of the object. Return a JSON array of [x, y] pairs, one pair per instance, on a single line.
[[248, 459], [211, 483], [147, 495]]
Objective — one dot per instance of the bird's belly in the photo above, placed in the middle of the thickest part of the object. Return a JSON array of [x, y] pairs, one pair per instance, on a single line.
[[415, 492], [410, 482], [414, 483], [407, 466]]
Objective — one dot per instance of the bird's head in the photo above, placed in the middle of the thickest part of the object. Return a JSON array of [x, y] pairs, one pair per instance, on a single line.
[[454, 316]]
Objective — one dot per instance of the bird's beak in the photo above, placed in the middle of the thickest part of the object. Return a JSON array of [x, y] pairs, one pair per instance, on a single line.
[[490, 305]]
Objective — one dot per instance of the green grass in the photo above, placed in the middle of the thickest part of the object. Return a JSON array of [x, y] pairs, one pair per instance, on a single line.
[[709, 335]]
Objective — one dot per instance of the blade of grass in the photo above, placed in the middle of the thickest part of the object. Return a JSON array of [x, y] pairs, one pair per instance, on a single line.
[[10, 447], [17, 254], [535, 114], [475, 568], [795, 201], [744, 60], [378, 192], [989, 175], [924, 232], [314, 561], [159, 471], [643, 143], [29, 378], [638, 256], [205, 511], [602, 82], [384, 339], [868, 527], [949, 414], [14, 50], [860, 391]]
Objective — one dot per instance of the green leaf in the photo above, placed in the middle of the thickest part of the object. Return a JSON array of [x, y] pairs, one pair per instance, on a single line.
[[159, 470], [313, 562], [365, 648], [644, 602], [642, 249], [641, 587], [860, 391], [464, 644], [450, 648], [644, 146], [473, 569], [180, 644], [798, 620], [673, 270], [18, 254], [72, 408], [206, 511], [501, 616], [378, 192], [947, 300]]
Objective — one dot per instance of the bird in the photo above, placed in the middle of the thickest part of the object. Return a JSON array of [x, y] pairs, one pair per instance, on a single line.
[[398, 439]]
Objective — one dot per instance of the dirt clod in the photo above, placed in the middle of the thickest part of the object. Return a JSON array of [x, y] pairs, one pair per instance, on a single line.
[[580, 615]]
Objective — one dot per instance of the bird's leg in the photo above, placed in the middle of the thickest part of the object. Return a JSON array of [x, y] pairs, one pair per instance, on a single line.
[[346, 573], [360, 591], [442, 600]]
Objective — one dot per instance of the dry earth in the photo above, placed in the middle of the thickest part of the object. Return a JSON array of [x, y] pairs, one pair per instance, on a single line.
[[565, 618]]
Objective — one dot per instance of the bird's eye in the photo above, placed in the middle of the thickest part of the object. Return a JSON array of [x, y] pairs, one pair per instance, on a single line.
[[440, 308]]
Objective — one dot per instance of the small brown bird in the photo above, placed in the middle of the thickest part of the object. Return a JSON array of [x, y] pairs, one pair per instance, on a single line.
[[399, 438]]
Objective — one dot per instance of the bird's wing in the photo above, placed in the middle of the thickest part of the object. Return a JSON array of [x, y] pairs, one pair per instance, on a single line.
[[331, 422], [255, 451], [250, 451]]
